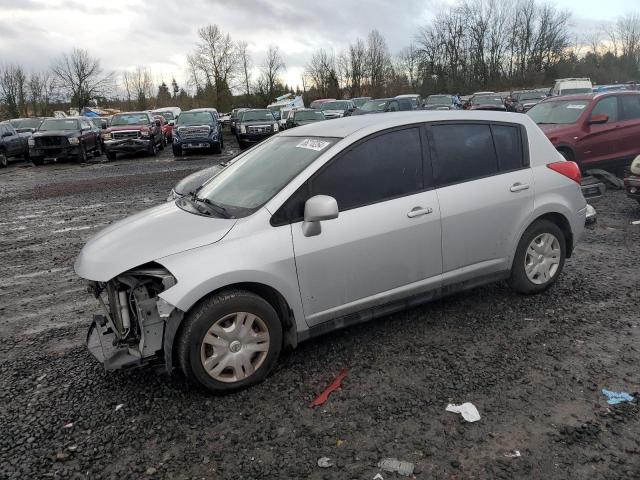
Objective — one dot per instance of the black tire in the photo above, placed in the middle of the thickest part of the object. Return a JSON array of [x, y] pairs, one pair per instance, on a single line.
[[4, 161], [567, 154], [519, 281], [82, 154], [111, 156], [37, 160], [163, 142], [217, 148], [204, 315], [26, 156], [242, 145], [98, 150], [177, 151], [153, 148]]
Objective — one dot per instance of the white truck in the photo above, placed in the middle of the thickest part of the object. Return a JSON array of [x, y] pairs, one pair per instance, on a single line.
[[286, 102], [570, 86]]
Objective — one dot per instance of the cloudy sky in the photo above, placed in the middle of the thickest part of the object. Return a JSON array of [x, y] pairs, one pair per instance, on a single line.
[[159, 33]]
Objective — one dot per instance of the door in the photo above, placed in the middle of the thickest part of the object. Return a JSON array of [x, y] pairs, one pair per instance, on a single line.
[[12, 142], [485, 191], [629, 126], [385, 243], [598, 143]]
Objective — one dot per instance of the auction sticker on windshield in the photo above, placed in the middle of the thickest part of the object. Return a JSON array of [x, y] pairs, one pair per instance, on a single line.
[[578, 107], [312, 144]]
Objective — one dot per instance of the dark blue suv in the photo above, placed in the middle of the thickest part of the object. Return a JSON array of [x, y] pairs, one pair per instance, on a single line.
[[197, 130]]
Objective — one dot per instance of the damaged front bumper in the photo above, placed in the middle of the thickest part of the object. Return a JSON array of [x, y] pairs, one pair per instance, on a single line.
[[137, 327]]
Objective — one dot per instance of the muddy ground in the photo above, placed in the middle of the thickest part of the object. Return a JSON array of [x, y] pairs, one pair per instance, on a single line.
[[534, 366]]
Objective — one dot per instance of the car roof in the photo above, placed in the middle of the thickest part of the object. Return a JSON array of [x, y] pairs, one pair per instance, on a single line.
[[344, 127], [591, 96]]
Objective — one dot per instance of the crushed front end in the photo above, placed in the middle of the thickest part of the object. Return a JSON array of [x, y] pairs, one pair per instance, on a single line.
[[137, 327]]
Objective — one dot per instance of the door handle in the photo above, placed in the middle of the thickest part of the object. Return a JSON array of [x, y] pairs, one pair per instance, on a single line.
[[518, 187], [418, 211]]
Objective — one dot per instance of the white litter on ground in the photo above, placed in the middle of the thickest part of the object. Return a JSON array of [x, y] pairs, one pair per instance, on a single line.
[[468, 410]]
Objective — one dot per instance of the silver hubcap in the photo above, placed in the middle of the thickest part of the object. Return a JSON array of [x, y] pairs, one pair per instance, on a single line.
[[234, 347], [542, 259]]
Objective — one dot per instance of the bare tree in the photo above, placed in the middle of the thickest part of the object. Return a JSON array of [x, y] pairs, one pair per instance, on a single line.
[[13, 89], [378, 62], [245, 64], [138, 85], [216, 62], [81, 76], [320, 70], [407, 64], [357, 66], [41, 90], [271, 69]]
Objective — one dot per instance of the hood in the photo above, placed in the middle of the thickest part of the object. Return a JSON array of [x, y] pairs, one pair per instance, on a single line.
[[438, 106], [144, 237], [127, 127], [489, 107], [56, 133], [193, 181], [556, 129]]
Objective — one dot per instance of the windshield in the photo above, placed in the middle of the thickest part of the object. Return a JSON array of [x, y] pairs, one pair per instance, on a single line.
[[487, 101], [253, 115], [558, 112], [130, 119], [307, 115], [253, 179], [439, 100], [358, 102], [59, 124], [275, 111], [28, 123], [374, 105], [573, 91], [167, 115], [195, 118], [529, 96], [334, 106]]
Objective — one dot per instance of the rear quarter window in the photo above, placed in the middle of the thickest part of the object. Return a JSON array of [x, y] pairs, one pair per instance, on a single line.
[[509, 149]]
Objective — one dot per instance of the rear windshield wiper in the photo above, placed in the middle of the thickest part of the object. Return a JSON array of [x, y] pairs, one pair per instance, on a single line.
[[216, 207]]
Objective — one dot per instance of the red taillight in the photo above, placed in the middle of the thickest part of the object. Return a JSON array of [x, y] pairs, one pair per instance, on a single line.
[[568, 169]]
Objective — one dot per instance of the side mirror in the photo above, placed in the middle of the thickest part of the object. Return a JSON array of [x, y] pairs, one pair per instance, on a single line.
[[103, 125], [317, 209], [598, 119], [172, 122], [158, 123]]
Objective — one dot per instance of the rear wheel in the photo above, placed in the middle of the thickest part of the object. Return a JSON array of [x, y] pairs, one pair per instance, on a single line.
[[177, 151], [111, 156], [230, 341], [37, 160], [98, 151], [3, 160], [163, 142], [539, 258]]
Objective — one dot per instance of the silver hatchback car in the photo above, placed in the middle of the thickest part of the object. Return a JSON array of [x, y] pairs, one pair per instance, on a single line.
[[328, 225]]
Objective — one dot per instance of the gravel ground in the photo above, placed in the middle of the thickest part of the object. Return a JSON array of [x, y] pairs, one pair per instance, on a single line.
[[534, 366]]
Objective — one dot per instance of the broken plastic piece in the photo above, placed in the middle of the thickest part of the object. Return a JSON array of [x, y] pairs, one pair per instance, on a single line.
[[119, 406], [614, 398], [395, 465], [324, 396], [325, 462], [378, 477], [468, 410], [513, 454]]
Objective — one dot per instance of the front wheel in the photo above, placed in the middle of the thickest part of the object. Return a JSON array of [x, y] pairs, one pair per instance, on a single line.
[[539, 258], [231, 340], [153, 148], [217, 148], [98, 151], [177, 151], [82, 154], [3, 160], [111, 156]]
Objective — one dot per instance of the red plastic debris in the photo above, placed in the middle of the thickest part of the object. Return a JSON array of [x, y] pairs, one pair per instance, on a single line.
[[324, 396]]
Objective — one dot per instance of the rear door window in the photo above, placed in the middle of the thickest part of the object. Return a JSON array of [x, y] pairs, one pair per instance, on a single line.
[[463, 152], [630, 107], [607, 106]]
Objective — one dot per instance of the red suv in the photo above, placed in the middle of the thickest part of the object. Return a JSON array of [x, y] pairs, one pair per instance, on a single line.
[[594, 128]]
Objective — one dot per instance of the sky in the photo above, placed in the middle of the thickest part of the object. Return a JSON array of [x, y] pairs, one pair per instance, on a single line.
[[158, 34]]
